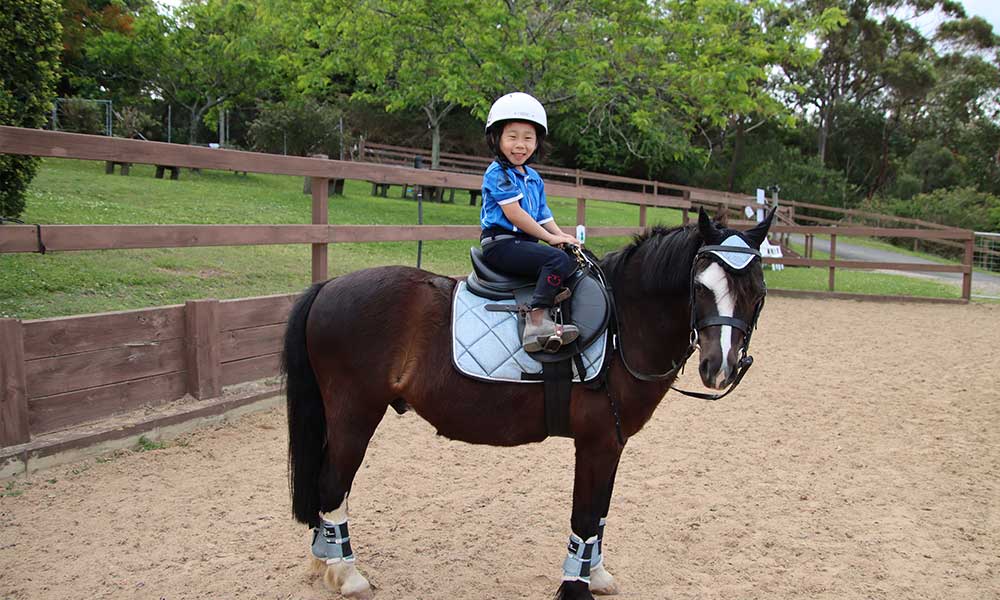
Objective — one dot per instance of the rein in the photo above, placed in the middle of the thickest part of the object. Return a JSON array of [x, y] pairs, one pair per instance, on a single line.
[[745, 361]]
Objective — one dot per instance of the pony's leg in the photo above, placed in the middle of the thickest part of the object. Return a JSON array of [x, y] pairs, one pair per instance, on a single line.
[[596, 464], [347, 440], [601, 581], [331, 547]]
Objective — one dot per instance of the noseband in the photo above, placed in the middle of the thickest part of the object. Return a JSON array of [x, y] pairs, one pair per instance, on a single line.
[[716, 320]]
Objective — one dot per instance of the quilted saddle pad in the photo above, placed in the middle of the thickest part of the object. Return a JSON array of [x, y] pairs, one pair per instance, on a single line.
[[486, 345]]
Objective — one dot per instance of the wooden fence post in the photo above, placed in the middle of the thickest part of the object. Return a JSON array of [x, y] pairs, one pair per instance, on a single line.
[[684, 214], [320, 216], [14, 428], [642, 208], [581, 204], [967, 260], [202, 345], [833, 258]]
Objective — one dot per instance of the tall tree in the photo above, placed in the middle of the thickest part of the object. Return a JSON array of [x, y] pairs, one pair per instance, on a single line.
[[83, 21], [201, 56], [856, 55]]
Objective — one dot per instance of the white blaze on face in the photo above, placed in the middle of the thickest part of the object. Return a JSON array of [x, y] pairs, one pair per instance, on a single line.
[[714, 278]]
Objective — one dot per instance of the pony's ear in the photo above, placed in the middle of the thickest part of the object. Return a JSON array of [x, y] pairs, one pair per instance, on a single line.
[[758, 234], [708, 231]]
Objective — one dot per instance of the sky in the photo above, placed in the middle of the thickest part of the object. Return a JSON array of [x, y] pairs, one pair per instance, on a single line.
[[987, 9]]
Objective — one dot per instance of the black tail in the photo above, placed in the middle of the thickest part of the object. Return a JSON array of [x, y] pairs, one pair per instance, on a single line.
[[306, 424], [573, 590]]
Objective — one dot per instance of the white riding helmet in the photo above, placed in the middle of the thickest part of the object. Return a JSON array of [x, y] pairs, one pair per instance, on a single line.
[[518, 106]]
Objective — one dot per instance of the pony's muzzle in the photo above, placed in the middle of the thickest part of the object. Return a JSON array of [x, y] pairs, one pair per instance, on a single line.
[[714, 374]]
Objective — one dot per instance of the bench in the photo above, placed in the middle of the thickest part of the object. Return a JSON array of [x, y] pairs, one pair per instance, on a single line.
[[174, 171], [336, 186], [109, 167]]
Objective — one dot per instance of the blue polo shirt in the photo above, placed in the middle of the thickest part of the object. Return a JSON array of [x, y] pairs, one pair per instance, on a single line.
[[503, 186]]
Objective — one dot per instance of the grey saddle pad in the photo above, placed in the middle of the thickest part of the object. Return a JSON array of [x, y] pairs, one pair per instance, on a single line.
[[486, 345]]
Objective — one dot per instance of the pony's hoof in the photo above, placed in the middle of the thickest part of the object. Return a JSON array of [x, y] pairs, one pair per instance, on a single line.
[[364, 594], [602, 583], [344, 578]]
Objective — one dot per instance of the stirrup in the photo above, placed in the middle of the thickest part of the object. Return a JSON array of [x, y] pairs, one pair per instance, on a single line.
[[553, 344]]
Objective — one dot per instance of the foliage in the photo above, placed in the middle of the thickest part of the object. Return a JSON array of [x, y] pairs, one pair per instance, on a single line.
[[133, 122], [962, 207], [934, 166], [80, 115], [147, 445], [29, 53], [82, 22], [203, 56], [299, 127], [799, 178]]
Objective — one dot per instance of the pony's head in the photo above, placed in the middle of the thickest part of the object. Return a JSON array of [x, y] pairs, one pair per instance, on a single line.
[[727, 293]]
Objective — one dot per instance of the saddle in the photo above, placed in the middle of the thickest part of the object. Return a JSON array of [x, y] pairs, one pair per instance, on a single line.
[[588, 307]]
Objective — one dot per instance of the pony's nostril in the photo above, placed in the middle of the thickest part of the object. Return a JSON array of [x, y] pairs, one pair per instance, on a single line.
[[705, 368]]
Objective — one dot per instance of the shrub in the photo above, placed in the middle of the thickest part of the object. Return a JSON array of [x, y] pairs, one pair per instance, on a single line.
[[958, 207], [30, 43], [297, 127], [133, 122], [799, 178]]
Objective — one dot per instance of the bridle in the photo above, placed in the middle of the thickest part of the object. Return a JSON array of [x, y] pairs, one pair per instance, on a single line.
[[745, 361]]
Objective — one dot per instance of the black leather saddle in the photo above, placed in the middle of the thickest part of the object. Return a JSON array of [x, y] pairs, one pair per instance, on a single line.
[[589, 305]]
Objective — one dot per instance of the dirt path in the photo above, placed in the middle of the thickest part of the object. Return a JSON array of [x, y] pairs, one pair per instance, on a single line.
[[860, 459]]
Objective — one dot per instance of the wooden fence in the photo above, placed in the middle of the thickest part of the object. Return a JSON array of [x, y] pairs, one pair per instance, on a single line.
[[57, 373]]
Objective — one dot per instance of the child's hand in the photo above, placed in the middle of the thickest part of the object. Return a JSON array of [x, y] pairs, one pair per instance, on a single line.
[[560, 239]]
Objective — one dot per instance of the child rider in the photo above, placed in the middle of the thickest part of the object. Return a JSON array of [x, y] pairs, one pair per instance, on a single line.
[[515, 217]]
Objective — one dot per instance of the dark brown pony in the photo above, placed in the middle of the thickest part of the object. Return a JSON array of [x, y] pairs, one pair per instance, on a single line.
[[380, 337]]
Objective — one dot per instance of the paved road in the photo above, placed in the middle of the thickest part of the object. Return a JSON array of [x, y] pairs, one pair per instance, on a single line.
[[983, 284]]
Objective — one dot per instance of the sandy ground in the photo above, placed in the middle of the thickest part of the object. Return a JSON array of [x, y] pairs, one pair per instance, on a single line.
[[860, 459]]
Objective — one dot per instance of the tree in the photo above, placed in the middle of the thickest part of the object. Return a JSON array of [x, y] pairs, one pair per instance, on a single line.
[[858, 57], [29, 53], [690, 79], [202, 56], [83, 21]]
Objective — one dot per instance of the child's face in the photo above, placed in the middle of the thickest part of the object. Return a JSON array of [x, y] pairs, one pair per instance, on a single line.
[[518, 141]]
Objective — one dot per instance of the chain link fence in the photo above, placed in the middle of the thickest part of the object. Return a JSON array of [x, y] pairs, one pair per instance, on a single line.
[[987, 251]]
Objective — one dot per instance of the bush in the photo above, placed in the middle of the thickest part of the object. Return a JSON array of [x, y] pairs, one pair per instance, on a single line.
[[80, 115], [934, 166], [297, 127], [30, 43], [133, 122], [959, 207], [799, 178], [906, 186]]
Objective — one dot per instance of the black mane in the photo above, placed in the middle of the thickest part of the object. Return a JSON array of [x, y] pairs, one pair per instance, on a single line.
[[665, 254]]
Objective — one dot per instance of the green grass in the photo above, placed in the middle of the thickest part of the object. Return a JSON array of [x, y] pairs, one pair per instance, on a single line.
[[78, 192], [858, 282], [146, 445]]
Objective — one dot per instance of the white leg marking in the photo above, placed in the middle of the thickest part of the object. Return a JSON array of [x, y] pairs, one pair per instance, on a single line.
[[339, 514], [714, 278], [601, 582]]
